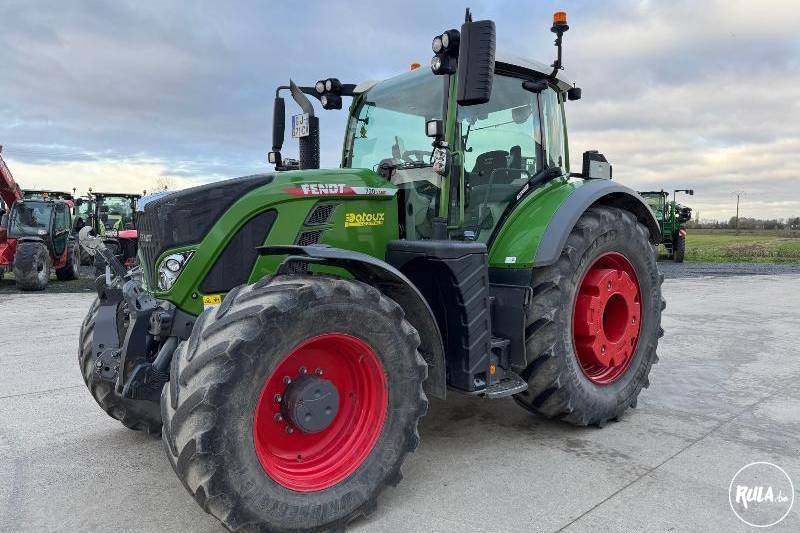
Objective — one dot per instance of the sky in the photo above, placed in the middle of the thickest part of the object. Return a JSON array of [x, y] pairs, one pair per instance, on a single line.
[[132, 95]]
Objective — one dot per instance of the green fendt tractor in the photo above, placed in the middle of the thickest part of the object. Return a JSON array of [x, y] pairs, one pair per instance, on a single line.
[[672, 218], [287, 328]]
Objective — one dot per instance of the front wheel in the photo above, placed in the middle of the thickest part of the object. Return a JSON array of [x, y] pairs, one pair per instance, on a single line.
[[139, 415], [594, 321], [71, 269], [32, 266], [294, 404]]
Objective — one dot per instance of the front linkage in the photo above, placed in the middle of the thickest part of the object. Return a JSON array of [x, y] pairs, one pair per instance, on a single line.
[[135, 334]]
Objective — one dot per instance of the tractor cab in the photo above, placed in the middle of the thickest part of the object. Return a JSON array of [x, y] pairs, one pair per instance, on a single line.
[[114, 212], [48, 220]]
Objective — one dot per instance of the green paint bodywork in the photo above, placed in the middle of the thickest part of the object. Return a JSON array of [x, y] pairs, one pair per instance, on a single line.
[[292, 212], [517, 240]]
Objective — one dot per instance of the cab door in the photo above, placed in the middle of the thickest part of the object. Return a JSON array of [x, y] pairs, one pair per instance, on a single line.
[[61, 229]]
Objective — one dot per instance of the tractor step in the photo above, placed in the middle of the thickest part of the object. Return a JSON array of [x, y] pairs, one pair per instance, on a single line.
[[510, 384]]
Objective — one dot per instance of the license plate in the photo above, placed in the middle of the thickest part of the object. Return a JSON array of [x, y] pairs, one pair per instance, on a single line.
[[300, 125]]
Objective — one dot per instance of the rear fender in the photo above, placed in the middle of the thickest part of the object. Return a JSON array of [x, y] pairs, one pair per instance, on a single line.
[[389, 281], [537, 227], [595, 192]]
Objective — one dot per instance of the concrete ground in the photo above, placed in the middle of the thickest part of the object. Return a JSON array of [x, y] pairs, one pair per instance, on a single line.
[[726, 393]]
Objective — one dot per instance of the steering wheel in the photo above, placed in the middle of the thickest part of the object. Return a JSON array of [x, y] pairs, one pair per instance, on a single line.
[[419, 156]]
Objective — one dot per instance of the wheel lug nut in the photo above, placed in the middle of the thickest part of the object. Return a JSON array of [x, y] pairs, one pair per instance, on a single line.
[[318, 371], [303, 370], [278, 417], [278, 398], [287, 380], [289, 429]]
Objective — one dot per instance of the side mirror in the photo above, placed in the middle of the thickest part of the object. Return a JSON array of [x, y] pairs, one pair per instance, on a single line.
[[476, 62], [278, 124], [596, 166], [691, 192]]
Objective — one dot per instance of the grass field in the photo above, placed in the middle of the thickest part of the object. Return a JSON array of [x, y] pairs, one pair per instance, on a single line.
[[751, 247]]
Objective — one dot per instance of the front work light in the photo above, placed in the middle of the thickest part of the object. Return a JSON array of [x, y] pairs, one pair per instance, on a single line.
[[434, 128], [170, 268], [437, 44], [332, 85], [319, 87], [331, 101]]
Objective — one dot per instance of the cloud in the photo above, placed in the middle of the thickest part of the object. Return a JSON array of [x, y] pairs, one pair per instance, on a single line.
[[677, 94]]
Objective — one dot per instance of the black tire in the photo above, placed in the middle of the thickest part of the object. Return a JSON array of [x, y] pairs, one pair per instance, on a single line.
[[557, 385], [218, 374], [32, 266], [71, 270], [138, 415], [680, 248], [100, 261]]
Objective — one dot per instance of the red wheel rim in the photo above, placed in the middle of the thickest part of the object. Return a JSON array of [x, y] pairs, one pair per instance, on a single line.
[[607, 318], [308, 462]]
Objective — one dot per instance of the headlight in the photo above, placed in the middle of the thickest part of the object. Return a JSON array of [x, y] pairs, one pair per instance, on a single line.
[[437, 44], [170, 268], [319, 87], [445, 40], [436, 64]]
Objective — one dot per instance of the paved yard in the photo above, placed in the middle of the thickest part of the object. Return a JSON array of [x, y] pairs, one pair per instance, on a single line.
[[726, 393]]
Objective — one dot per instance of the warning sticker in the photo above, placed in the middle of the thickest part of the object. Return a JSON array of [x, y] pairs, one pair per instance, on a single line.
[[210, 300]]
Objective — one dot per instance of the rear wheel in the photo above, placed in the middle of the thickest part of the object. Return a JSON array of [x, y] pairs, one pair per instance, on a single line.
[[139, 415], [294, 404], [594, 321], [71, 269], [32, 266]]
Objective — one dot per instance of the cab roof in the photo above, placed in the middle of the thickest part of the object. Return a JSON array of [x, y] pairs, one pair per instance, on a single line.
[[506, 61]]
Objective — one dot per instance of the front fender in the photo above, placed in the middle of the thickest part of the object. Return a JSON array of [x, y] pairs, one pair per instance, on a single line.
[[535, 231]]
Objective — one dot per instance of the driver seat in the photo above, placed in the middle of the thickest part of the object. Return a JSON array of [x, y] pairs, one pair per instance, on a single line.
[[485, 164]]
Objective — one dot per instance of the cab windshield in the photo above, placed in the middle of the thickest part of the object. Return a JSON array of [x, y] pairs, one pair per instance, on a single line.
[[388, 127], [116, 213], [30, 219], [657, 203]]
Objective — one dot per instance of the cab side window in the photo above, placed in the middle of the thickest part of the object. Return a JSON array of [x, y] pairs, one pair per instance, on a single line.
[[62, 217], [553, 129]]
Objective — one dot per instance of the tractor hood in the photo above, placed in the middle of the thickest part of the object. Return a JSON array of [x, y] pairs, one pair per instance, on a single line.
[[229, 217]]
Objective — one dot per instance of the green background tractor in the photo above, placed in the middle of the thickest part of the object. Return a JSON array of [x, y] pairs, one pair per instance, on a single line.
[[286, 329], [672, 218]]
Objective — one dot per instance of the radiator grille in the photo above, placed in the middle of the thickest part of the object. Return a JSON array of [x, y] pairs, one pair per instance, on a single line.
[[321, 214], [307, 238]]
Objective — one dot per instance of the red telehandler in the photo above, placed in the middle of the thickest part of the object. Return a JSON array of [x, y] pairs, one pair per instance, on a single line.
[[36, 237], [10, 193]]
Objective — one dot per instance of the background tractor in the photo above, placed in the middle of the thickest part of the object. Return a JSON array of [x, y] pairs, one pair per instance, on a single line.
[[112, 216], [672, 218], [286, 329]]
